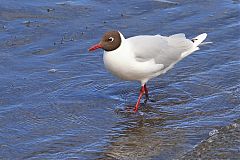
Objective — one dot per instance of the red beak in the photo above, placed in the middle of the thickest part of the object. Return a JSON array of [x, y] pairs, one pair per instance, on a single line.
[[94, 47]]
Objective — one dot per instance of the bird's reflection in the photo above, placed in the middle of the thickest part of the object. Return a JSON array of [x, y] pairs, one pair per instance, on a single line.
[[142, 136]]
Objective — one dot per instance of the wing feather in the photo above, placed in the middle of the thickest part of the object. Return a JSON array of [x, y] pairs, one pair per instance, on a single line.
[[164, 50]]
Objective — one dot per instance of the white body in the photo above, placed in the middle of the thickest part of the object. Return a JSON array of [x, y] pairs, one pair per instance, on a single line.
[[144, 57]]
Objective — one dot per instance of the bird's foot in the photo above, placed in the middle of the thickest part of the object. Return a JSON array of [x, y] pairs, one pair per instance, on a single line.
[[127, 110], [135, 109], [145, 101]]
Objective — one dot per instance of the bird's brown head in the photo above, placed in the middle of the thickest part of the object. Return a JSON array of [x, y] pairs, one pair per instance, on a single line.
[[109, 42]]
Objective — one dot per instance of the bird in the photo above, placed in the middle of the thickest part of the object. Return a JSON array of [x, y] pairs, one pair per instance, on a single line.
[[143, 57]]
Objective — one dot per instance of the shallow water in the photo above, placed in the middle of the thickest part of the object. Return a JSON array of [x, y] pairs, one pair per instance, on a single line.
[[58, 102]]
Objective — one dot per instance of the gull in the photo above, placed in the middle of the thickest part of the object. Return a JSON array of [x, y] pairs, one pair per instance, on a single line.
[[141, 58]]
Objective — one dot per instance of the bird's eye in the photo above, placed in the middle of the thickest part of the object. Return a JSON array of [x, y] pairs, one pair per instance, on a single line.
[[110, 39]]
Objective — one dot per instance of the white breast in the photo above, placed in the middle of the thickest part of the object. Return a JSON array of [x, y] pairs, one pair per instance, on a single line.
[[119, 62], [123, 64]]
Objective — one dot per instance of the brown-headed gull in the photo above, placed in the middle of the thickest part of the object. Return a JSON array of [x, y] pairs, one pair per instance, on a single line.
[[141, 58]]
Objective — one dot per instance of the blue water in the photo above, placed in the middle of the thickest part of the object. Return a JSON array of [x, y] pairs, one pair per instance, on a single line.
[[57, 101]]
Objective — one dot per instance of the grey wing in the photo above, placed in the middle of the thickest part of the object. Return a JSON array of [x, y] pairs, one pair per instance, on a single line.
[[164, 50]]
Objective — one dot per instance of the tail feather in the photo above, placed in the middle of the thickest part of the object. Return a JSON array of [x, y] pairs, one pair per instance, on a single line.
[[199, 39]]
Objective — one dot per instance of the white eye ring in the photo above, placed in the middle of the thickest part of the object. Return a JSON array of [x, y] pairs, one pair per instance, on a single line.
[[111, 39]]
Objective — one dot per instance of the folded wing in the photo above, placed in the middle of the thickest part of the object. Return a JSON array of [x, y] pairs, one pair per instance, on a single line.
[[164, 50]]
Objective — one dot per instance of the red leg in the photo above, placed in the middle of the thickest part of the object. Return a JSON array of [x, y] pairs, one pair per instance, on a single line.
[[146, 93], [142, 91]]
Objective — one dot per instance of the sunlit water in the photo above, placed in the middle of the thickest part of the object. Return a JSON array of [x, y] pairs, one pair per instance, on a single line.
[[58, 102]]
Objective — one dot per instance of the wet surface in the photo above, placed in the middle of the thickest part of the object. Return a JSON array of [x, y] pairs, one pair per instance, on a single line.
[[58, 102]]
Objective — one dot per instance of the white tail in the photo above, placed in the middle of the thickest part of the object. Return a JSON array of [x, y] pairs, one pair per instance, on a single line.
[[199, 39]]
